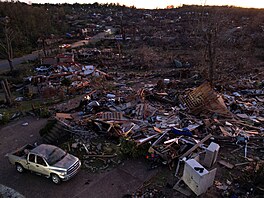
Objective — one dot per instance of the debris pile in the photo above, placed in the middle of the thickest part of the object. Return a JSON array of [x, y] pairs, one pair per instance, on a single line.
[[136, 89], [174, 124]]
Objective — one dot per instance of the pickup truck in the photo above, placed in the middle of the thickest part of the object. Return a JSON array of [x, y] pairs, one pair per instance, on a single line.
[[47, 160]]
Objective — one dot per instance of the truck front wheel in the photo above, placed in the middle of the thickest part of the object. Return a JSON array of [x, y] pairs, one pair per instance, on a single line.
[[19, 168], [55, 179]]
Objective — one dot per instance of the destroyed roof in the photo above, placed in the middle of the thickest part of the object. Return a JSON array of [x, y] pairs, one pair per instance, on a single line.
[[64, 55], [205, 99]]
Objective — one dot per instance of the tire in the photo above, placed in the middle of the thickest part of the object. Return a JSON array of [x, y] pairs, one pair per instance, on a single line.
[[55, 179], [19, 168]]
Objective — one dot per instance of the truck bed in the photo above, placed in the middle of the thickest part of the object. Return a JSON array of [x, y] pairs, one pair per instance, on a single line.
[[20, 154], [21, 151]]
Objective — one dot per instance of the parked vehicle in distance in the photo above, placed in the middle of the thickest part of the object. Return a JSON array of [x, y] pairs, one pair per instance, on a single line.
[[47, 160], [65, 46], [43, 69]]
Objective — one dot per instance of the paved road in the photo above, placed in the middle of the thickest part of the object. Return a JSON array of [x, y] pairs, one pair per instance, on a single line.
[[115, 183], [36, 54], [16, 61]]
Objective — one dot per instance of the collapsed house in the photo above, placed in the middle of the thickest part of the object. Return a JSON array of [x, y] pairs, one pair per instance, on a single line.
[[187, 132]]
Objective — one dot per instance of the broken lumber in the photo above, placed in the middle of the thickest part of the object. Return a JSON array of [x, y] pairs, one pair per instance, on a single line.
[[196, 146], [226, 164]]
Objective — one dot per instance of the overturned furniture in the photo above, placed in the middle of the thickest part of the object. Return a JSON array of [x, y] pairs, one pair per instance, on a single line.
[[196, 177]]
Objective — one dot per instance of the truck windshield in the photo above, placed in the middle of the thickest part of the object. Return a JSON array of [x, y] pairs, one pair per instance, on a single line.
[[55, 156]]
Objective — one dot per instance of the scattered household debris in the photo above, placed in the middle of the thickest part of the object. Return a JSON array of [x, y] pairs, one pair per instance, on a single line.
[[25, 124], [175, 125], [178, 122]]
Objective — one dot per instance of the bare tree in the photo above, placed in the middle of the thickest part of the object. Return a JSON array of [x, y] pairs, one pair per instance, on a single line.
[[210, 53], [208, 27], [6, 48]]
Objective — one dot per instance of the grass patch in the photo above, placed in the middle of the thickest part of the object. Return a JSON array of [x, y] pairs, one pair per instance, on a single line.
[[130, 149]]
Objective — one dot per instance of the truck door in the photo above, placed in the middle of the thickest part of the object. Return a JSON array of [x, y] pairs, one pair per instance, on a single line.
[[41, 166], [32, 162]]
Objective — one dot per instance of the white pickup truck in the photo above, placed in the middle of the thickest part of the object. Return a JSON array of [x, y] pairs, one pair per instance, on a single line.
[[47, 160]]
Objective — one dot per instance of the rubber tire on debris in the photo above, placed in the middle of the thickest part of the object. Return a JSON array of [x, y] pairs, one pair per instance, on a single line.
[[19, 168], [55, 179]]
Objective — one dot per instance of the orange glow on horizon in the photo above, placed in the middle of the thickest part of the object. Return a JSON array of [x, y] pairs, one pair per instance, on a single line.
[[153, 4]]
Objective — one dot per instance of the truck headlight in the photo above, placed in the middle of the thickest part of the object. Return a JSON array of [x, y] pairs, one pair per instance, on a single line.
[[63, 173]]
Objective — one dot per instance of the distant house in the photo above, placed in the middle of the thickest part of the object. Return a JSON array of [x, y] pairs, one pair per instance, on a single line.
[[48, 41], [49, 60], [65, 58], [60, 58]]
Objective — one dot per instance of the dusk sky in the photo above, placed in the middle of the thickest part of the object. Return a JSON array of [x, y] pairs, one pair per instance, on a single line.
[[152, 4]]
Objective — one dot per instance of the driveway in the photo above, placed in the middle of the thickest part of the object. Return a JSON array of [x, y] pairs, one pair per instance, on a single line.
[[122, 180]]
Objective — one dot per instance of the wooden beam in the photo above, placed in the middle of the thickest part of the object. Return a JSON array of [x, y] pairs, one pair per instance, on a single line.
[[196, 146], [7, 96]]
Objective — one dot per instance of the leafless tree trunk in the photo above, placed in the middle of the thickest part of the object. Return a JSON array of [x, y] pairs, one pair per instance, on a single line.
[[6, 48], [44, 46], [208, 25], [211, 56]]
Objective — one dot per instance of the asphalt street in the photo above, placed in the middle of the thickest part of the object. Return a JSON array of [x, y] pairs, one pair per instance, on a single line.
[[4, 65], [124, 179]]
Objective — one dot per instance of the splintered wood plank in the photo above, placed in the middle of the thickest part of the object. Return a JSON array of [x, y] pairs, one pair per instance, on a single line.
[[226, 164]]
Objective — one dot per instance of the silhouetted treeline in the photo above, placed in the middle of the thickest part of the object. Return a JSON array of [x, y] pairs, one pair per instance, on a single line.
[[36, 22], [31, 22]]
